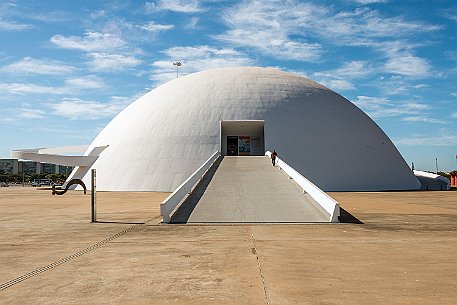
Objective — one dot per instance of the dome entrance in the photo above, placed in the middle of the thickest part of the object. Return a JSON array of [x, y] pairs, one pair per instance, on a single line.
[[242, 138], [163, 137]]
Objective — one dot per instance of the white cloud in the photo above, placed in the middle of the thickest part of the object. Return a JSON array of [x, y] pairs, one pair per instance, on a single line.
[[154, 27], [364, 26], [51, 17], [187, 53], [8, 121], [193, 24], [181, 6], [450, 13], [454, 115], [96, 14], [293, 29], [18, 88], [452, 55], [340, 78], [277, 45], [352, 69], [435, 140], [114, 27], [416, 106], [29, 112], [396, 85], [382, 107], [111, 62], [419, 86], [408, 65], [370, 1], [91, 41], [77, 109], [130, 33], [71, 85], [268, 26], [149, 7], [8, 13], [38, 66], [453, 18], [88, 82], [369, 102], [13, 26], [423, 119], [195, 59], [337, 84]]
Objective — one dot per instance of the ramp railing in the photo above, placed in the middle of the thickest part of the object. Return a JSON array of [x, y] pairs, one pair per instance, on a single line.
[[174, 199], [329, 205]]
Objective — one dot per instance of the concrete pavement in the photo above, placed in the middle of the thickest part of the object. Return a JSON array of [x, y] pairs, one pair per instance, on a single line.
[[251, 190], [404, 253]]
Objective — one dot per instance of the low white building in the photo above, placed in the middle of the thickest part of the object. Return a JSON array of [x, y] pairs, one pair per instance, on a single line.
[[15, 166], [432, 182]]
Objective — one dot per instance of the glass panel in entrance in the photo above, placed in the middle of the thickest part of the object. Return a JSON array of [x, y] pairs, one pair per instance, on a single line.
[[232, 145], [244, 145]]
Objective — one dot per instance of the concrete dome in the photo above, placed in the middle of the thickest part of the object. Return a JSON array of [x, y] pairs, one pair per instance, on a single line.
[[163, 137]]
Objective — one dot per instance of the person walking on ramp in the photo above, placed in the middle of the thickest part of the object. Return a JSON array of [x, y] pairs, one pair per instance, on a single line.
[[273, 157]]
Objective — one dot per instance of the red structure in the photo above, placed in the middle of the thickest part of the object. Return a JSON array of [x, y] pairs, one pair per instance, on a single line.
[[454, 180]]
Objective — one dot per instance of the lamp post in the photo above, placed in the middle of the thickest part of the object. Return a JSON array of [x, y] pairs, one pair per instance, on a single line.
[[177, 64]]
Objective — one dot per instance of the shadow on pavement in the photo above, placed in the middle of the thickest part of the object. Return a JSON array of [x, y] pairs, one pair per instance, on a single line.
[[346, 217], [121, 222], [183, 213]]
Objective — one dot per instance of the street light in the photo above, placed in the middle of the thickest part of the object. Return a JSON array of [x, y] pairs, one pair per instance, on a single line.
[[177, 64]]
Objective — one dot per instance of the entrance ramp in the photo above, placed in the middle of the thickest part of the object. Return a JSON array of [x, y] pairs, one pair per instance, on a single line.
[[249, 190]]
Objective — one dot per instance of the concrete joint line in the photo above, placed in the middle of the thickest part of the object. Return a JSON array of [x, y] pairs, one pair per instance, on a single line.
[[256, 253], [68, 258]]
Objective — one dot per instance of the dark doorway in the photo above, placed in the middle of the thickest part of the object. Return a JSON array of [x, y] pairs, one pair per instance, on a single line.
[[242, 138], [232, 146]]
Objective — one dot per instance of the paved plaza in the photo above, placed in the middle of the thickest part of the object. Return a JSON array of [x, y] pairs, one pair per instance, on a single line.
[[50, 253]]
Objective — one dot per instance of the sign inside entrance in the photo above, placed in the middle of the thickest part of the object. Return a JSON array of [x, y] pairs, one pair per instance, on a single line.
[[244, 145]]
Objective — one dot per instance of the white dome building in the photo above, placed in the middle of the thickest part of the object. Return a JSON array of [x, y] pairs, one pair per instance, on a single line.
[[163, 137]]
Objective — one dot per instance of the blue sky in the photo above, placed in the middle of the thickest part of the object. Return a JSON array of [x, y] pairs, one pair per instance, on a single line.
[[68, 67]]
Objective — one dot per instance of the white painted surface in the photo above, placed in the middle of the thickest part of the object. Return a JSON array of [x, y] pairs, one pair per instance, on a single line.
[[163, 137], [331, 206], [58, 150], [431, 179], [52, 155], [172, 201], [429, 175]]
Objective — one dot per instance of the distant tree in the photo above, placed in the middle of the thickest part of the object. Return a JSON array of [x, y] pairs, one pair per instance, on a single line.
[[56, 177], [38, 176], [446, 175], [15, 178]]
